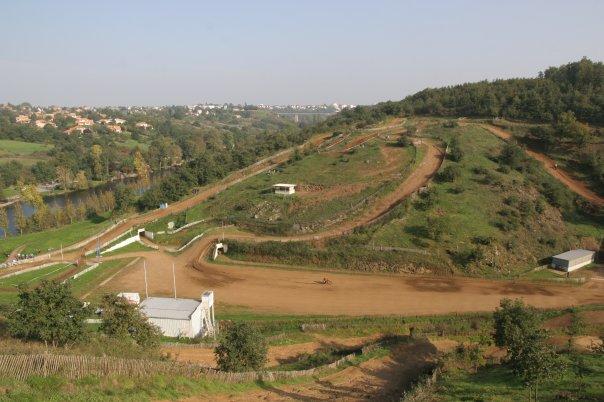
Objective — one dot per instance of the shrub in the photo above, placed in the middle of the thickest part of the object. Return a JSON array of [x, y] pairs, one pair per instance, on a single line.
[[241, 348], [403, 141], [455, 151], [427, 199], [124, 320], [450, 124], [449, 174]]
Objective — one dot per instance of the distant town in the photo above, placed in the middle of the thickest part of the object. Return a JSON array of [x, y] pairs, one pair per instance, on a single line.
[[80, 119]]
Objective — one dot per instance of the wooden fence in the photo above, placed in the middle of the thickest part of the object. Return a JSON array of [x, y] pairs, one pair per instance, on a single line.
[[22, 366]]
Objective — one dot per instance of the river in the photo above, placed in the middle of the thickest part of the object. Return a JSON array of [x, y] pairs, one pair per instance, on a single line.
[[58, 201]]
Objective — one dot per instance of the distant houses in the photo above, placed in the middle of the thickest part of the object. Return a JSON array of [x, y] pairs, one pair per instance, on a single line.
[[22, 119], [143, 125]]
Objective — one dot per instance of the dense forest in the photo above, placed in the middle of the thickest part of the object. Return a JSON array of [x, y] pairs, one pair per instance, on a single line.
[[576, 87]]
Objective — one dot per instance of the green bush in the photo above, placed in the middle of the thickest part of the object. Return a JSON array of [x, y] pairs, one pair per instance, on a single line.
[[241, 348], [449, 174]]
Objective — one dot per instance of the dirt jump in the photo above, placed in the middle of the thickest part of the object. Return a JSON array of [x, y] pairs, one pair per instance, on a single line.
[[380, 379], [563, 177]]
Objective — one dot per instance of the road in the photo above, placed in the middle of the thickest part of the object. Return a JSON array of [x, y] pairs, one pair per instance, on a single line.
[[575, 185]]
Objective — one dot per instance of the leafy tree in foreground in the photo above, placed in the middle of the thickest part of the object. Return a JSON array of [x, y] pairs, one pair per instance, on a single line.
[[517, 328], [124, 320], [241, 348], [48, 313]]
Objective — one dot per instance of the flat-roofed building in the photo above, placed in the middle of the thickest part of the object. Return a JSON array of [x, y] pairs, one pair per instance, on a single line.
[[183, 318], [573, 259], [284, 188]]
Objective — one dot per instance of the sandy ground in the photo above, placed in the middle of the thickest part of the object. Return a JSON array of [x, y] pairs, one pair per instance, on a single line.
[[297, 292], [565, 178], [276, 354], [380, 379]]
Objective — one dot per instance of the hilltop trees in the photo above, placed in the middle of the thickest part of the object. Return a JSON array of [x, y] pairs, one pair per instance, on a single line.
[[48, 313]]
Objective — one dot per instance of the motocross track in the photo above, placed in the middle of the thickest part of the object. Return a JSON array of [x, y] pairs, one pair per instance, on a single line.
[[563, 177], [299, 291]]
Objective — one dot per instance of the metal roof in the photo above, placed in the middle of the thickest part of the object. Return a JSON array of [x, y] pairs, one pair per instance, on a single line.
[[165, 307], [574, 254], [284, 185]]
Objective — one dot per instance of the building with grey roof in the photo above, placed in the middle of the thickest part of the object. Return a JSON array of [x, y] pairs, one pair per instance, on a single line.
[[186, 318], [573, 259]]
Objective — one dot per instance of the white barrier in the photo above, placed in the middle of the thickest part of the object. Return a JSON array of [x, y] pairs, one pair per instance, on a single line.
[[123, 243], [76, 276], [48, 264]]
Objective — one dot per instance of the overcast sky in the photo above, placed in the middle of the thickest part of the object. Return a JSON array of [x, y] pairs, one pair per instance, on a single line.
[[148, 52]]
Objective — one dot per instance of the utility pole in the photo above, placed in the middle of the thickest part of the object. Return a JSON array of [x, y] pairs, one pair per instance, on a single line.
[[146, 287], [174, 280], [62, 259]]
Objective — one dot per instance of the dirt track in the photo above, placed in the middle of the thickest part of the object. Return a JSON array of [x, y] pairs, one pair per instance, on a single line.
[[563, 177], [275, 290], [297, 291]]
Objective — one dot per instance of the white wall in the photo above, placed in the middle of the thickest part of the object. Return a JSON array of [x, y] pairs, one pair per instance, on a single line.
[[173, 328]]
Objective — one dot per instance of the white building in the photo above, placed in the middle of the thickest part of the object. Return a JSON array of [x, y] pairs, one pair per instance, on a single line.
[[573, 259], [284, 188], [132, 298], [186, 318]]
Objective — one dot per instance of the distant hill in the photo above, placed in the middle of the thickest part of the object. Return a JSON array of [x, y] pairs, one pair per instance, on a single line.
[[577, 87], [555, 108]]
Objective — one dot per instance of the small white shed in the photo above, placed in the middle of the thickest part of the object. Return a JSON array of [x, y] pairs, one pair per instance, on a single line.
[[132, 298], [573, 259], [187, 318], [284, 188]]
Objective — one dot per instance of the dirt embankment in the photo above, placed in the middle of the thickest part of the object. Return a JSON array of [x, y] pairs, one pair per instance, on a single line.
[[380, 379], [575, 185]]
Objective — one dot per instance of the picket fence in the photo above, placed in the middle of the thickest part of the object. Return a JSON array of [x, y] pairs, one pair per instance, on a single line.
[[73, 367]]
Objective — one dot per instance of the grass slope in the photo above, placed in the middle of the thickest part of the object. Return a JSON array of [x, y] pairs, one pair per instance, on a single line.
[[41, 242], [490, 221]]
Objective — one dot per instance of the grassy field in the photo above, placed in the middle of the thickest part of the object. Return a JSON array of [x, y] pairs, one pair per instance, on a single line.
[[20, 148], [8, 286], [488, 221], [331, 185], [497, 383], [41, 242], [90, 280]]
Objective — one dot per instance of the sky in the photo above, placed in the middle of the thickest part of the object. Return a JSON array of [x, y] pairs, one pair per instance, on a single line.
[[133, 52]]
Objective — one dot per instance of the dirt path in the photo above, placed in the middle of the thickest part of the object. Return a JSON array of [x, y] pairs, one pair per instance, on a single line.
[[289, 291], [276, 354], [563, 177], [381, 379], [13, 254]]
